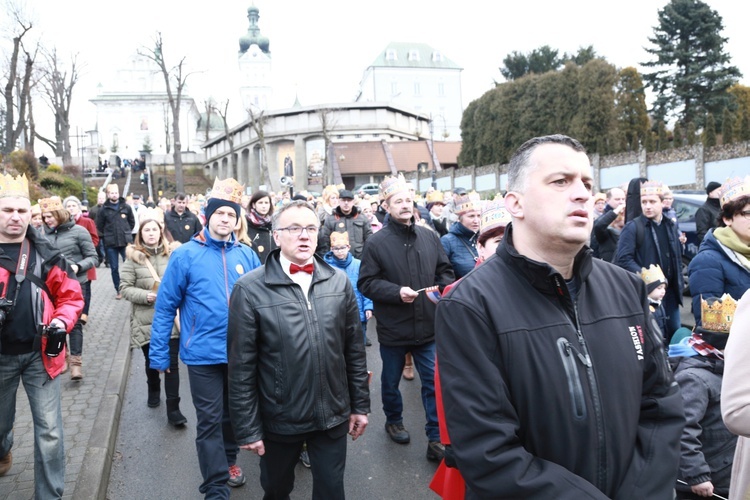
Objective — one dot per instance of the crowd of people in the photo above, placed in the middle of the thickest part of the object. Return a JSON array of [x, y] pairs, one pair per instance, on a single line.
[[554, 311]]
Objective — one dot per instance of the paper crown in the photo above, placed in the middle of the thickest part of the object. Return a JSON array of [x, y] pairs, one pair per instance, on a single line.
[[653, 274], [156, 214], [650, 188], [14, 186], [36, 209], [51, 204], [733, 189], [339, 239], [392, 185], [227, 189], [719, 314], [494, 215], [466, 204], [434, 197]]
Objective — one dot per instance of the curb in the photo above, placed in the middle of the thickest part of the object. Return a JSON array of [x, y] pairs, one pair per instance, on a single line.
[[93, 479]]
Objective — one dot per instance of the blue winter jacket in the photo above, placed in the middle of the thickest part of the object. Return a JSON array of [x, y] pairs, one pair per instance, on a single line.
[[460, 246], [714, 271], [198, 281], [350, 266]]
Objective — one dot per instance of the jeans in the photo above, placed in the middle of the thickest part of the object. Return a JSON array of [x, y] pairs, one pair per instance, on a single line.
[[114, 264], [86, 290], [393, 366], [44, 401], [672, 309], [214, 440]]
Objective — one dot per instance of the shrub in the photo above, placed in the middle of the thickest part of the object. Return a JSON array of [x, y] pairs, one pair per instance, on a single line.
[[24, 162]]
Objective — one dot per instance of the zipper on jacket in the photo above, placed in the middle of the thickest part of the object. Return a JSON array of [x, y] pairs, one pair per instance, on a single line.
[[568, 354], [601, 482]]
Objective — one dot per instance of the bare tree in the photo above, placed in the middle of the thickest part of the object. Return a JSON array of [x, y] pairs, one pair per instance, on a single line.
[[230, 138], [327, 125], [57, 88], [167, 140], [13, 127], [175, 78], [258, 122]]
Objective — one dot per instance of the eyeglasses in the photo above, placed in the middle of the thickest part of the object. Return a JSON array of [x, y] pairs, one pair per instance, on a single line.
[[745, 214], [339, 249], [297, 230]]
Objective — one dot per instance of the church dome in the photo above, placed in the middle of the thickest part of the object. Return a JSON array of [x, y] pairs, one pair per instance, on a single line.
[[253, 35]]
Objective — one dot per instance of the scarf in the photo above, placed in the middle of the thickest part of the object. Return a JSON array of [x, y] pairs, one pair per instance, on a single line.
[[341, 263], [727, 237], [704, 348], [258, 220]]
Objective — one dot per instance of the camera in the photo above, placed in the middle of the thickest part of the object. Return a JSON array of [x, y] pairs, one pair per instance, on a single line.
[[6, 306], [55, 340]]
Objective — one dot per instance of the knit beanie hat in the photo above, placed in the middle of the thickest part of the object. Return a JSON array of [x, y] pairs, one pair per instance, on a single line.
[[214, 203], [713, 185]]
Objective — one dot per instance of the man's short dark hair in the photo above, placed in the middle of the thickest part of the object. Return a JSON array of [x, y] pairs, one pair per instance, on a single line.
[[180, 196], [519, 162], [292, 204]]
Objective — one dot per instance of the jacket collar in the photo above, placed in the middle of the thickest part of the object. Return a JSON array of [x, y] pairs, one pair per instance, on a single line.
[[540, 274], [351, 215], [275, 275], [204, 238], [460, 230], [400, 228]]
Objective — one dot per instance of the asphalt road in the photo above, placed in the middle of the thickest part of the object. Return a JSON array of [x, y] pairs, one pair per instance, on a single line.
[[153, 460]]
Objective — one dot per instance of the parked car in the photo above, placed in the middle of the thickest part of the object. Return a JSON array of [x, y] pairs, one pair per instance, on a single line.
[[370, 188], [685, 204]]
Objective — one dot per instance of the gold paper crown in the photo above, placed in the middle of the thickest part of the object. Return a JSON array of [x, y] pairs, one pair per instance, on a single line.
[[338, 239], [156, 214], [392, 185], [227, 189], [434, 197], [733, 189], [467, 204], [36, 209], [718, 316], [51, 204], [653, 274], [14, 186], [650, 188], [494, 215]]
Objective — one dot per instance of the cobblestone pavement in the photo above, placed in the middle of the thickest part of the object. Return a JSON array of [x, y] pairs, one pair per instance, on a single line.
[[90, 408]]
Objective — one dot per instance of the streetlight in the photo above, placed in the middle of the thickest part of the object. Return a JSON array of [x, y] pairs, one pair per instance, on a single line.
[[83, 167]]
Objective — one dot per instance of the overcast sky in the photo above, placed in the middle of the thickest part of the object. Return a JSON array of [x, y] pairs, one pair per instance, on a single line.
[[321, 49]]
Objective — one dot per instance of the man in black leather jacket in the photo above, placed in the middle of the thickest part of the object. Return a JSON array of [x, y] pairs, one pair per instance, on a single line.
[[297, 363], [552, 371]]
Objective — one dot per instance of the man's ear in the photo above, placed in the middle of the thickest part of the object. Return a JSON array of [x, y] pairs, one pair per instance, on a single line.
[[514, 204]]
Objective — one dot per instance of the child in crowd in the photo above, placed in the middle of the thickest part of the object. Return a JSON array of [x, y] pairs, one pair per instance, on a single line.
[[656, 285], [707, 446], [340, 257]]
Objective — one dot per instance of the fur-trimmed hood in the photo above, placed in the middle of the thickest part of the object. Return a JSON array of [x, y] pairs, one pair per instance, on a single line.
[[139, 256]]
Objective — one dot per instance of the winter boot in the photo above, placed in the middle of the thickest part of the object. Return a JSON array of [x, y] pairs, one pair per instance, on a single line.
[[154, 398], [174, 415], [75, 368]]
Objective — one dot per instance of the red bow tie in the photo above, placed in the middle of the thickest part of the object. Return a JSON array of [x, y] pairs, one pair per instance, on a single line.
[[307, 268]]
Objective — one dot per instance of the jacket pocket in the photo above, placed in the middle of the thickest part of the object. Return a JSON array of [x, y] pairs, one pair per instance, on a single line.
[[568, 357]]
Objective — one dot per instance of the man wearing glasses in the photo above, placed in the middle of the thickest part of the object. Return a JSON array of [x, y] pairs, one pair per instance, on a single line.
[[198, 281], [297, 363]]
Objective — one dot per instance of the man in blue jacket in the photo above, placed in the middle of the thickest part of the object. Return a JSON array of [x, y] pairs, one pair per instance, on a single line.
[[198, 281]]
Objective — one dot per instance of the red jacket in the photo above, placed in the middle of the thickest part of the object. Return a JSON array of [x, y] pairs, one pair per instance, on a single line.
[[66, 300], [90, 226]]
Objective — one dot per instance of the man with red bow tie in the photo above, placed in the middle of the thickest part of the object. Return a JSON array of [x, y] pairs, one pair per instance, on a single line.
[[297, 363]]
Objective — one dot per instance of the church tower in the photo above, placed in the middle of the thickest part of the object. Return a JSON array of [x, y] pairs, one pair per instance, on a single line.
[[255, 66]]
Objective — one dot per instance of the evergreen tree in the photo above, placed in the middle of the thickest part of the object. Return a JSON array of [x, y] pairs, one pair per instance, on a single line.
[[745, 127], [630, 107], [709, 131], [663, 138], [584, 55], [678, 139], [690, 135], [515, 65], [727, 127], [692, 71], [741, 98]]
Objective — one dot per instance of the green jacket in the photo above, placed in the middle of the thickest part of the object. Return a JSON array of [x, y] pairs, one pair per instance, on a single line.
[[136, 282]]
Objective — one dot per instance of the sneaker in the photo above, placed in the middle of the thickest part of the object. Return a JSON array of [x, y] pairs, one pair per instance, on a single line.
[[435, 451], [236, 477], [397, 433], [304, 458], [118, 296], [408, 372], [6, 463], [368, 342]]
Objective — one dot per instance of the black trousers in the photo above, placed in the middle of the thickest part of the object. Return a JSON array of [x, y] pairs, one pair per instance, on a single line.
[[327, 461]]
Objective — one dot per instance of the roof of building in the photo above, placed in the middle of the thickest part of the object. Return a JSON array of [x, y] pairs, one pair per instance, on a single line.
[[413, 55], [370, 157]]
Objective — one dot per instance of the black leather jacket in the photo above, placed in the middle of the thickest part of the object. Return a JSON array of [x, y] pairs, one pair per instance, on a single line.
[[294, 369]]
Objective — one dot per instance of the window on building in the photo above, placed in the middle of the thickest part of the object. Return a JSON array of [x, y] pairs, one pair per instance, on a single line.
[[437, 56], [413, 55], [441, 89], [394, 89], [357, 136], [417, 89], [339, 137], [391, 55]]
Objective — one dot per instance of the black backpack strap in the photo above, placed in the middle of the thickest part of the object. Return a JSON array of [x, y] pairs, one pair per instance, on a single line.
[[8, 265]]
